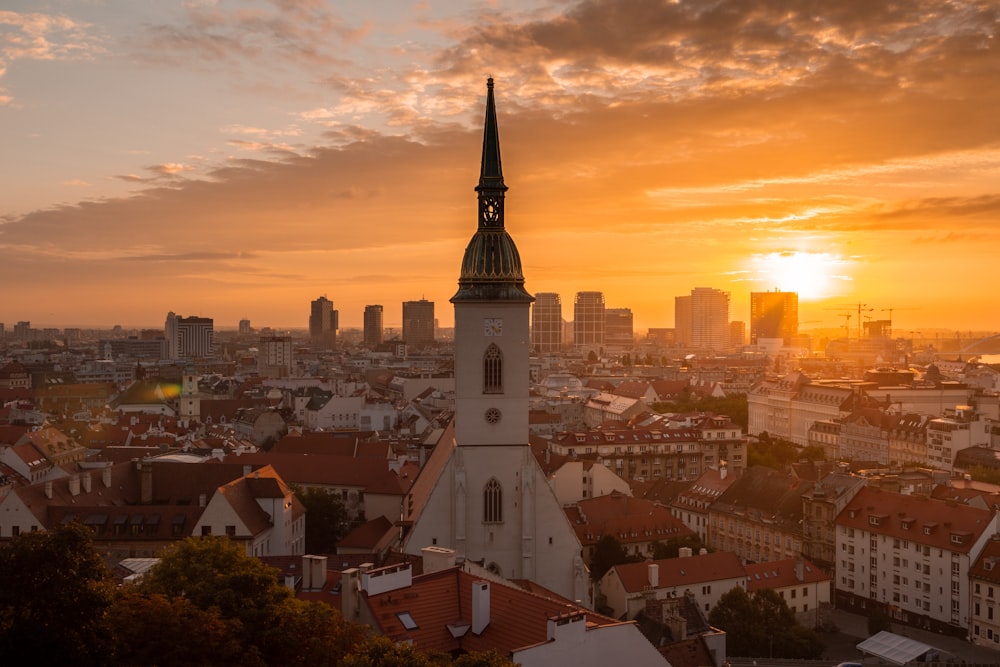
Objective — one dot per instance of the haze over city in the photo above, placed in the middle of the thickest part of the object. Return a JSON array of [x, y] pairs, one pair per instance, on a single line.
[[237, 160]]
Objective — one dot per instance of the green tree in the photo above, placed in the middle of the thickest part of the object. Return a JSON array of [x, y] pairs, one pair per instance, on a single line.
[[156, 630], [382, 652], [485, 659], [55, 591], [608, 552], [326, 520], [672, 547], [762, 626], [212, 571], [309, 633]]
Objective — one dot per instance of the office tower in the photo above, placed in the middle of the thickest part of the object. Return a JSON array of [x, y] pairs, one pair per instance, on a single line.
[[22, 330], [773, 315], [618, 328], [588, 320], [244, 327], [323, 322], [682, 321], [701, 320], [418, 323], [546, 323], [189, 337], [737, 334], [485, 496], [274, 356], [373, 325]]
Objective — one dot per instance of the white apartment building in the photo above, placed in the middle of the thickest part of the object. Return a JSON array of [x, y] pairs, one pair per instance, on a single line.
[[910, 556]]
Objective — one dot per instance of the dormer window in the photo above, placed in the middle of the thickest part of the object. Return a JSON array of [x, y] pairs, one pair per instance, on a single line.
[[875, 520]]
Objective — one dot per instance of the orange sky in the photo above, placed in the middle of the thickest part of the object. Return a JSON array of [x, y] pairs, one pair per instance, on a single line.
[[193, 161]]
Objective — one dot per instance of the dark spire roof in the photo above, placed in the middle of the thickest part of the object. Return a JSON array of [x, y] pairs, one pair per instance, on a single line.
[[491, 268], [491, 173]]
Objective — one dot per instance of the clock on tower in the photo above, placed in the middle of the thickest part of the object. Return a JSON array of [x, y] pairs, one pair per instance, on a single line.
[[493, 326]]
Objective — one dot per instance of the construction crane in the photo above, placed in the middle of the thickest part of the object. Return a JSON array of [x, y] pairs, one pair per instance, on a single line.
[[847, 321], [890, 311]]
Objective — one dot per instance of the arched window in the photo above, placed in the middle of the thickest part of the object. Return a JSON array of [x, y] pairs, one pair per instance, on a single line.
[[493, 370], [492, 502]]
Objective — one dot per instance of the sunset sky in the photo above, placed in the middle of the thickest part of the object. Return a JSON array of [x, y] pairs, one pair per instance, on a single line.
[[239, 159]]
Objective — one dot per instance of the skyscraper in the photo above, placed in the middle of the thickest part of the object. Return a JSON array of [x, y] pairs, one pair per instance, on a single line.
[[774, 315], [618, 328], [373, 325], [323, 321], [546, 323], [418, 323], [701, 320], [490, 500], [189, 336], [588, 320]]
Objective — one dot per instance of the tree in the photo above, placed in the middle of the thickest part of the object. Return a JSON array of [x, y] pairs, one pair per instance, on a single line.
[[762, 626], [156, 630], [382, 652], [607, 553], [672, 547], [212, 571], [485, 659], [54, 593], [326, 520]]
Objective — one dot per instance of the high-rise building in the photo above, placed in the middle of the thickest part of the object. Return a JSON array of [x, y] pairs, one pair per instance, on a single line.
[[546, 323], [373, 325], [486, 496], [588, 321], [618, 328], [189, 337], [323, 321], [418, 323], [244, 327], [774, 315], [274, 356], [701, 320], [737, 334], [682, 320]]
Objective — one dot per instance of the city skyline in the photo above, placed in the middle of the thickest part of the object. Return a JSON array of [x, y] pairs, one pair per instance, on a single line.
[[235, 161]]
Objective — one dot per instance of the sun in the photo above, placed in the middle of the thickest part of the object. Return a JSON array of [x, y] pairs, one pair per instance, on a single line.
[[811, 274]]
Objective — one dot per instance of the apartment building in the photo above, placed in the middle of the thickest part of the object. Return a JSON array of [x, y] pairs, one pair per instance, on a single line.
[[910, 556]]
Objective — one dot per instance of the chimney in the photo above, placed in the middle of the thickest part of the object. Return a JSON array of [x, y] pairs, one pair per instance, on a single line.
[[350, 605], [313, 572], [106, 476], [702, 551], [437, 559], [247, 469], [480, 606], [74, 485], [290, 582], [684, 552], [654, 575], [86, 482], [202, 500], [800, 574], [146, 483], [48, 489], [723, 471]]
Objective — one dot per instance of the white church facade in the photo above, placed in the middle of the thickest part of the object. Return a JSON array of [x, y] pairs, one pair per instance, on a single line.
[[482, 493]]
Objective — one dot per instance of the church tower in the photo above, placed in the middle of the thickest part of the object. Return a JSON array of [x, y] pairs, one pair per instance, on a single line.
[[488, 498]]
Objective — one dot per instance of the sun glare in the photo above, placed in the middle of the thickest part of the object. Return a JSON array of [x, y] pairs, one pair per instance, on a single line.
[[811, 274]]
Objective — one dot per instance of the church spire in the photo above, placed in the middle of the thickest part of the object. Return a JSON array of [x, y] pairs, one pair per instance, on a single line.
[[491, 268]]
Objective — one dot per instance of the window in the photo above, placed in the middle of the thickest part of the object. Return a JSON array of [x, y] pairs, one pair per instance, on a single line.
[[407, 620], [493, 370], [492, 502], [231, 531]]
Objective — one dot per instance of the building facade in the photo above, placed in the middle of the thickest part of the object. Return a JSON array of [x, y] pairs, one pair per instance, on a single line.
[[323, 321], [373, 325], [546, 323], [588, 321], [418, 323], [189, 337], [618, 332], [774, 315]]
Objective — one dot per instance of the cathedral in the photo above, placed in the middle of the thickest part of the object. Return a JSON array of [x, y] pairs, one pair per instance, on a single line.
[[481, 492]]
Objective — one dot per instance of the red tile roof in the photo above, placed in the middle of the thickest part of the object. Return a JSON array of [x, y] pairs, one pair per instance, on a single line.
[[629, 520], [945, 525], [517, 618], [687, 571], [782, 574]]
